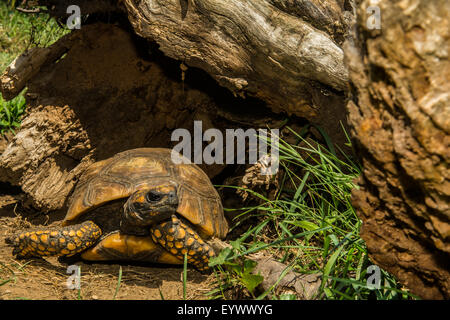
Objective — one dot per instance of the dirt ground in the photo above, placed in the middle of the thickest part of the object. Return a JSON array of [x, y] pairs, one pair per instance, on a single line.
[[47, 278]]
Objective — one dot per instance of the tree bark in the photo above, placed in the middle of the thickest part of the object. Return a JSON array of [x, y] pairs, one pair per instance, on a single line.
[[399, 114], [286, 53], [250, 47]]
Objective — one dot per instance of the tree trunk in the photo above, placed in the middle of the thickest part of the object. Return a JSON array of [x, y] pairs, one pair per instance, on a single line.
[[399, 114]]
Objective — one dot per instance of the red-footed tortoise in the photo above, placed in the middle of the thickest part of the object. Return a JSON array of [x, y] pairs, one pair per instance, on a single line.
[[138, 205]]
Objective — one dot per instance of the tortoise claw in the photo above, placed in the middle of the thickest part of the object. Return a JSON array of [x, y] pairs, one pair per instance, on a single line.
[[180, 239]]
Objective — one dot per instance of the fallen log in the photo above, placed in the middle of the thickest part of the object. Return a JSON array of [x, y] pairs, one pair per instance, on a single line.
[[286, 53], [247, 46], [104, 97], [27, 65]]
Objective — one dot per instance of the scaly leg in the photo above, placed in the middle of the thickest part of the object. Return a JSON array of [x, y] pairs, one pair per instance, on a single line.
[[179, 239], [65, 241]]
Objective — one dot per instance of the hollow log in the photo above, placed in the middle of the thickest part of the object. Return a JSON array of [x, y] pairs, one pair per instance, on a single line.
[[287, 53], [247, 46], [22, 69], [106, 95], [400, 118]]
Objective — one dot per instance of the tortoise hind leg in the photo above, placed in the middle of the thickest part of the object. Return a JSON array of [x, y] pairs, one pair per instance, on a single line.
[[180, 239], [65, 241]]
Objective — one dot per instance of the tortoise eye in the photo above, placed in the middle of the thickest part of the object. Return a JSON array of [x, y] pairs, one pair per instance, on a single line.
[[153, 196]]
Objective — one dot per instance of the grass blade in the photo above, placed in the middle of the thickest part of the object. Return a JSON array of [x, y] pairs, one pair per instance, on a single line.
[[119, 280], [184, 276]]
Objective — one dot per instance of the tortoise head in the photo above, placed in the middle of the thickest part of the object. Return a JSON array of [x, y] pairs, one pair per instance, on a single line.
[[147, 207]]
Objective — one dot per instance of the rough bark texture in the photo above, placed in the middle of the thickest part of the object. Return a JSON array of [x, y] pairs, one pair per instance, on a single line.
[[22, 69], [286, 53], [252, 46], [331, 16], [400, 118]]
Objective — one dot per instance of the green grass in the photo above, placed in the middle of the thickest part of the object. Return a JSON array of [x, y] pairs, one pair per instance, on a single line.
[[119, 280], [310, 226], [19, 32], [10, 113], [10, 273]]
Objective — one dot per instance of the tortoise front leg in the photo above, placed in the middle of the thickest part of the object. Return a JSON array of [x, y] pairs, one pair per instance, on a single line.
[[65, 241], [179, 239]]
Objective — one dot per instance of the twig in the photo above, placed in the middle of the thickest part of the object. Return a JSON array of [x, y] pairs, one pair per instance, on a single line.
[[35, 10]]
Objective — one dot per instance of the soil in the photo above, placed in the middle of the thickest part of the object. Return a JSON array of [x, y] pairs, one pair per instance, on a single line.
[[47, 278]]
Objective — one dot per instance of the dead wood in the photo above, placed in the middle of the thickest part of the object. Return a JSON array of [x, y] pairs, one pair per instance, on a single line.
[[248, 47], [286, 53], [27, 65]]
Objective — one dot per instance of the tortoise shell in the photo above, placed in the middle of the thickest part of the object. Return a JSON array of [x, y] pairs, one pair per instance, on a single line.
[[121, 175]]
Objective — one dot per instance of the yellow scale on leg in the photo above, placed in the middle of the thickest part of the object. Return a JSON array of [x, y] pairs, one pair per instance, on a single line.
[[66, 241], [180, 239]]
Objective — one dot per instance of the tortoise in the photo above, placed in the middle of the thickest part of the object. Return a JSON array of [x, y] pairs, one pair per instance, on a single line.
[[138, 205]]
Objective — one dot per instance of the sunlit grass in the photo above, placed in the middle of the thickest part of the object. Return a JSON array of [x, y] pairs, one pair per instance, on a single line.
[[311, 226], [19, 32]]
